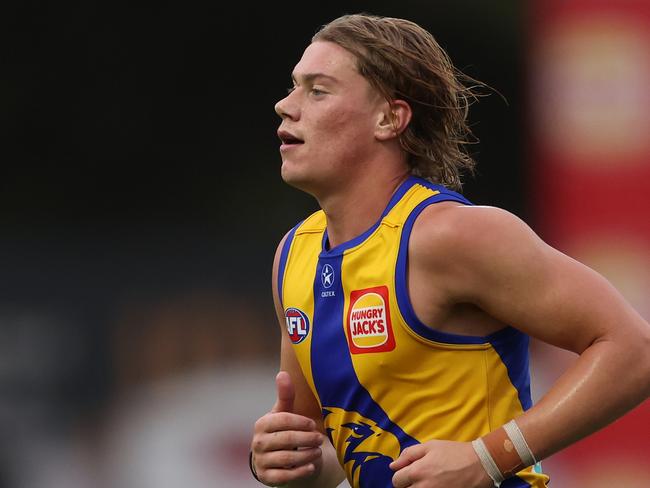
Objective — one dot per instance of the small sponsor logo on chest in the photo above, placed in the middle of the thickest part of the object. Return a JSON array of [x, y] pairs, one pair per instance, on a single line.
[[327, 277], [369, 327]]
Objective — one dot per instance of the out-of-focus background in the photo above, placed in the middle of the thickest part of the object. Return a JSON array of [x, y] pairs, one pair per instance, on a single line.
[[141, 203]]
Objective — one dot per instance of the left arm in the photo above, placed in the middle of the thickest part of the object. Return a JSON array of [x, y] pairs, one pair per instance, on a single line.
[[500, 265]]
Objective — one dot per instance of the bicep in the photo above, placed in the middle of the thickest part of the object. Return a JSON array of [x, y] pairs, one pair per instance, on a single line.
[[551, 297], [520, 280]]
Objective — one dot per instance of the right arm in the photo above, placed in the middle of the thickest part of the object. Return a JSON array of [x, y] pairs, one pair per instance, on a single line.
[[289, 445]]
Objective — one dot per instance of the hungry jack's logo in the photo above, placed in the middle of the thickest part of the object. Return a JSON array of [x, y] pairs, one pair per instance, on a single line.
[[369, 328]]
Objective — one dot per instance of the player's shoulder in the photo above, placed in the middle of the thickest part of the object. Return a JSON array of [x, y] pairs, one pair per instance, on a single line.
[[451, 220], [451, 230]]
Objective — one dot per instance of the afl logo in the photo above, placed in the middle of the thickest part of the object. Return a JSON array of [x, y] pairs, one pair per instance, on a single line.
[[327, 276], [297, 324]]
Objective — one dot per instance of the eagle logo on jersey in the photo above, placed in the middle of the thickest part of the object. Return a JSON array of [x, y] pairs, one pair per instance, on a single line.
[[297, 324], [368, 451]]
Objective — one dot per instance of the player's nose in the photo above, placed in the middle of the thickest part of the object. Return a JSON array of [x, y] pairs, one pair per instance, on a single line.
[[288, 107]]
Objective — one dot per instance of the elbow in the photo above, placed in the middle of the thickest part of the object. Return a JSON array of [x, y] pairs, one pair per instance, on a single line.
[[634, 350], [639, 359]]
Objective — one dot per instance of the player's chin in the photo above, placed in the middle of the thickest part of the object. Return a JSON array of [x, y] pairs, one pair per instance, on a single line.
[[295, 176]]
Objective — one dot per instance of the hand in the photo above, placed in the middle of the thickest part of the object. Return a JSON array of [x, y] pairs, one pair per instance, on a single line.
[[440, 464], [286, 446]]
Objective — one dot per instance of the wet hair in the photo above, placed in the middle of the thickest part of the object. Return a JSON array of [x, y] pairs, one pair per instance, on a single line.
[[403, 61]]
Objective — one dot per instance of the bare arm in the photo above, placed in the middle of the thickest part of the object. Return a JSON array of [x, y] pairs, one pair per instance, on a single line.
[[509, 272], [491, 259], [494, 260], [289, 446]]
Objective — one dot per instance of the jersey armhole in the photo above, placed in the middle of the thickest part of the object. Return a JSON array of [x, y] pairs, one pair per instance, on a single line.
[[510, 343], [401, 278]]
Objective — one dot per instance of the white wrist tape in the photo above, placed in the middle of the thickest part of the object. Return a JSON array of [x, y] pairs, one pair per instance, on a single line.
[[517, 438], [488, 463]]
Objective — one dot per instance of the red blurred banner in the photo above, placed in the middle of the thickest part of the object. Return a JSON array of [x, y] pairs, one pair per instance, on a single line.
[[589, 81]]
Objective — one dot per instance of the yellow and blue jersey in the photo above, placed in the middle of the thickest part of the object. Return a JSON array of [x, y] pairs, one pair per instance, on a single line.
[[384, 380]]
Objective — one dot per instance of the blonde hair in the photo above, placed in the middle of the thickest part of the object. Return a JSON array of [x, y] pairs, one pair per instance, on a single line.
[[403, 61]]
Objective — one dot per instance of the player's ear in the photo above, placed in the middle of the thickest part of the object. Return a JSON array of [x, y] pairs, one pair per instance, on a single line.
[[393, 119]]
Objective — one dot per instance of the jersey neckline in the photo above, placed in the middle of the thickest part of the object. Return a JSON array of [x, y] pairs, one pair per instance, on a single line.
[[404, 187]]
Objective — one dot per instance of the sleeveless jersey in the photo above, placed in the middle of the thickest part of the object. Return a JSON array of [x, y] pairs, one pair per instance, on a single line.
[[384, 380]]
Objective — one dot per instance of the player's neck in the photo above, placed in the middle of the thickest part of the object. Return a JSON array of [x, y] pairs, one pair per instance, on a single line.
[[353, 211]]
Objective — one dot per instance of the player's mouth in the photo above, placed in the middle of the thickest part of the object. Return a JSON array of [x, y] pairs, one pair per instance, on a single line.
[[289, 140]]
